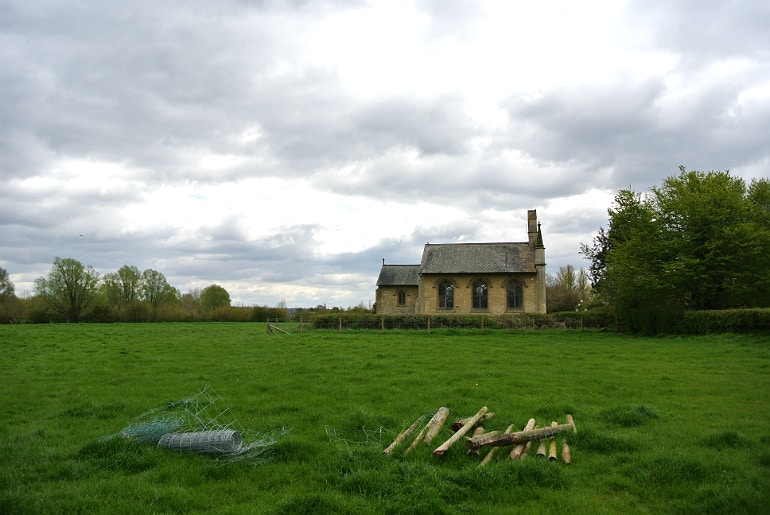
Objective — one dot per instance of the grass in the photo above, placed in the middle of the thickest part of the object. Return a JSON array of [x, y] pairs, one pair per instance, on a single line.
[[671, 425]]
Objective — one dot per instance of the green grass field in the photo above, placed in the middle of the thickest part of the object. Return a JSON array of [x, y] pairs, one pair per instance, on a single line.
[[665, 425]]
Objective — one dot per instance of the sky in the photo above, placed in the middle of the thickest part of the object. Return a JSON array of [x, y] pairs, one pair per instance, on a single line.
[[283, 149]]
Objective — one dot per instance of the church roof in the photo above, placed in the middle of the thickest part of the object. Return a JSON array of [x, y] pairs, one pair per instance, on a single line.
[[477, 258], [399, 275]]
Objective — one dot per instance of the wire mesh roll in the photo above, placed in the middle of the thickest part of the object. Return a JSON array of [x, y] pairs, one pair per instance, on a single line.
[[225, 441]]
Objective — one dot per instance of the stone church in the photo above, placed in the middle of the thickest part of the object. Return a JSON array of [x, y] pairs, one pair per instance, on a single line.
[[462, 278]]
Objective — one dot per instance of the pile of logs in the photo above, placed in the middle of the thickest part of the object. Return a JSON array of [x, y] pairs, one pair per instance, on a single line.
[[519, 441]]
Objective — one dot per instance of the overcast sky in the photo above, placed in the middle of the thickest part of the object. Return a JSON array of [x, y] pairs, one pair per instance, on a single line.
[[281, 149]]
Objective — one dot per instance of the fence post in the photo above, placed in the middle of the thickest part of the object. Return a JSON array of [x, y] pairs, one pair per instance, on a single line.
[[382, 324]]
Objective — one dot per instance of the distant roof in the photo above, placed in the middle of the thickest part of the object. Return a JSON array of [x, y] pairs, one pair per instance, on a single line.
[[399, 275], [477, 258]]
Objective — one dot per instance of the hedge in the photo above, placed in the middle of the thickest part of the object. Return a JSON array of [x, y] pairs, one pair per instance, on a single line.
[[567, 320]]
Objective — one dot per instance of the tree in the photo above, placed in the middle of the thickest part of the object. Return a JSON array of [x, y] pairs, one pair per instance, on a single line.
[[567, 289], [70, 288], [701, 240], [6, 286], [213, 297], [155, 289], [10, 306], [123, 287]]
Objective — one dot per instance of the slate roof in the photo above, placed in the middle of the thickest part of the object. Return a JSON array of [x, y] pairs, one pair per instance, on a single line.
[[477, 258], [399, 275]]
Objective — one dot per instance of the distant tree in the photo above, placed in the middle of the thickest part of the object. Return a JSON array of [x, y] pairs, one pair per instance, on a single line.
[[6, 286], [10, 306], [567, 289], [213, 297], [698, 241], [70, 288], [122, 287], [191, 303], [155, 289]]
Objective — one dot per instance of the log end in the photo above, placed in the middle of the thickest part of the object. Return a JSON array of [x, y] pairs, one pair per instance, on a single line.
[[571, 421]]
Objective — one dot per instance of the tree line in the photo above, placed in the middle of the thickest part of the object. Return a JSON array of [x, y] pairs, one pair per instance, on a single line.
[[699, 241], [73, 292]]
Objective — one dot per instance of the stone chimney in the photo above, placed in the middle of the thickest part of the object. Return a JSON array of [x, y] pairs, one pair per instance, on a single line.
[[532, 227]]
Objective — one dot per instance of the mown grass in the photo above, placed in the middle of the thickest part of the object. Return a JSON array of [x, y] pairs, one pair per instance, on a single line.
[[672, 425]]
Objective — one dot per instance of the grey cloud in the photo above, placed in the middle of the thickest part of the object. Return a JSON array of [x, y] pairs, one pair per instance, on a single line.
[[631, 130], [703, 33]]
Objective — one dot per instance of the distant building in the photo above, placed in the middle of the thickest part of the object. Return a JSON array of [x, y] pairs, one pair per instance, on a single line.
[[462, 278]]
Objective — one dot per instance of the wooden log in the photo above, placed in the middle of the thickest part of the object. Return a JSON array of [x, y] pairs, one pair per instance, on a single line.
[[571, 420], [457, 424], [518, 437], [477, 431], [566, 454], [519, 449], [435, 424], [416, 440], [552, 444], [440, 450], [491, 452], [401, 437], [525, 453], [541, 448]]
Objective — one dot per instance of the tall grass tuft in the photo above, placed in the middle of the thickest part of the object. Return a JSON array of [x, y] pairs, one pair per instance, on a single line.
[[590, 441], [628, 416], [726, 440], [119, 455], [670, 470]]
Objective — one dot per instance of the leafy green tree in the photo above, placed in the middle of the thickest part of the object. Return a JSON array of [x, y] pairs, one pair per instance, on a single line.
[[213, 297], [70, 288], [122, 287], [701, 240], [155, 289]]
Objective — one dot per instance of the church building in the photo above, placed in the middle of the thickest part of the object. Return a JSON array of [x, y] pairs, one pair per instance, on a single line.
[[463, 278]]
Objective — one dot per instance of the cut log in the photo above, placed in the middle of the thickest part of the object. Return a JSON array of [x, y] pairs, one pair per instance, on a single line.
[[566, 455], [491, 452], [525, 453], [477, 431], [518, 437], [571, 420], [541, 448], [401, 437], [440, 450], [552, 445], [519, 449], [416, 440], [457, 424], [435, 424]]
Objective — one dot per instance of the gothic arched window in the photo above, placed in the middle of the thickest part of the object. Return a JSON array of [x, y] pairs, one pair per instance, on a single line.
[[446, 295], [480, 294], [514, 295]]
